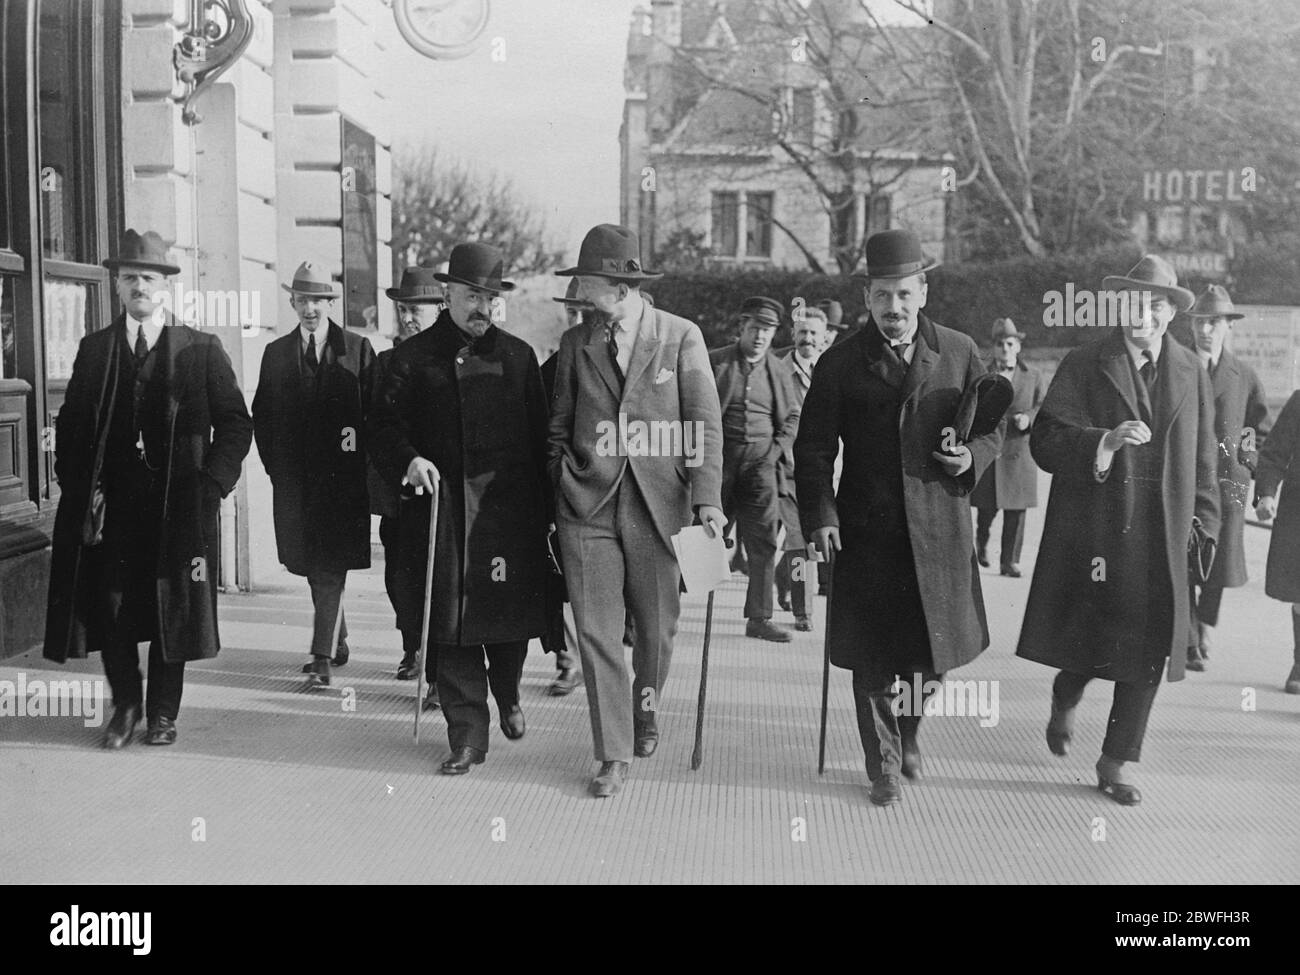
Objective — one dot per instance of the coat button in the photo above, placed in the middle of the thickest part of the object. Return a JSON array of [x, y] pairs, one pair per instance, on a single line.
[[460, 362]]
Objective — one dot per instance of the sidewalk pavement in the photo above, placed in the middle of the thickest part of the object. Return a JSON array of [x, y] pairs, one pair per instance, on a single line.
[[271, 782]]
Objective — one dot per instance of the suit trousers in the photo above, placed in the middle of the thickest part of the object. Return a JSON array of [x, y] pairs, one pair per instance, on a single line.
[[463, 684], [1013, 531], [328, 624], [166, 680], [881, 730], [797, 588], [749, 495], [616, 562], [1130, 709], [390, 537]]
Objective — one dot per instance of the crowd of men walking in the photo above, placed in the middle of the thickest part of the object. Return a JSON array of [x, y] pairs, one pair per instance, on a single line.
[[516, 505]]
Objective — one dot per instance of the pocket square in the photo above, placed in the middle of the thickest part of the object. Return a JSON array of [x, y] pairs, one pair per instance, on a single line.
[[663, 376]]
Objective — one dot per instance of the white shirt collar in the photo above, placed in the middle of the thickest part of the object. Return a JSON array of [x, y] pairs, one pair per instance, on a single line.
[[909, 338], [152, 330], [322, 330], [1137, 354]]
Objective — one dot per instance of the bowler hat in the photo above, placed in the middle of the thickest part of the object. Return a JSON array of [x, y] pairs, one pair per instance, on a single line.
[[571, 299], [894, 254], [313, 281], [477, 265], [1215, 303], [610, 251], [418, 287], [1155, 274], [834, 312], [1005, 328], [765, 311], [146, 250]]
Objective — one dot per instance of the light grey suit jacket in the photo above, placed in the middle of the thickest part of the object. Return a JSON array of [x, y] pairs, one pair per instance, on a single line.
[[666, 428]]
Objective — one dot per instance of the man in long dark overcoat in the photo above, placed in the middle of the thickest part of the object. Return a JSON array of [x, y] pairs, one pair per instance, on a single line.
[[1127, 433], [1282, 577], [907, 605], [463, 404], [1011, 482], [1240, 420], [309, 416], [155, 420]]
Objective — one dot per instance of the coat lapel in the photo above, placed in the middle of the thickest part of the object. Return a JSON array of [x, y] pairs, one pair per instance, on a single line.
[[1117, 369], [1177, 380], [598, 352], [924, 356], [646, 349], [877, 356]]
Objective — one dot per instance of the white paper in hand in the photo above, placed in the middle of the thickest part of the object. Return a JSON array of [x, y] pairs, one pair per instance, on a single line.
[[703, 560]]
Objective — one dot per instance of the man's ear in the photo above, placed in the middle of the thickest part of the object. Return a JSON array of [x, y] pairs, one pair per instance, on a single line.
[[623, 290]]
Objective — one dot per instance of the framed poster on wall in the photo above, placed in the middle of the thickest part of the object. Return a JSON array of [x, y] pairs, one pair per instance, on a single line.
[[360, 231]]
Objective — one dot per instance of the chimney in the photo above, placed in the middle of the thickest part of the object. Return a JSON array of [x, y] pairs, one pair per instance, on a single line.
[[666, 30]]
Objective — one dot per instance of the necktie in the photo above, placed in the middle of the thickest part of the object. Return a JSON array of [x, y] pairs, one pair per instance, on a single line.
[[1148, 370], [611, 343], [141, 345], [312, 360]]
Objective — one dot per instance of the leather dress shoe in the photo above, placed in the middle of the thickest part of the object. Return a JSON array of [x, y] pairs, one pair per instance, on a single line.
[[565, 681], [783, 600], [803, 624], [1108, 782], [459, 762], [341, 653], [1060, 729], [609, 780], [1195, 662], [886, 790], [1011, 570], [432, 702], [911, 760], [319, 671], [162, 731], [767, 630], [512, 723], [1293, 680], [121, 728], [408, 669], [982, 556], [647, 739]]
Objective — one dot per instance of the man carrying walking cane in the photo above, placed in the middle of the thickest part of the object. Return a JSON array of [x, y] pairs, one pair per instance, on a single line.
[[462, 407]]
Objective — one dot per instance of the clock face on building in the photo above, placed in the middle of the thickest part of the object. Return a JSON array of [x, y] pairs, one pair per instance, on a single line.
[[441, 29]]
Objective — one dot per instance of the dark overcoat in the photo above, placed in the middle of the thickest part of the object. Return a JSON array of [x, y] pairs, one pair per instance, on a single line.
[[1011, 482], [852, 387], [480, 416], [316, 455], [1090, 611], [1239, 404], [208, 435], [1282, 578]]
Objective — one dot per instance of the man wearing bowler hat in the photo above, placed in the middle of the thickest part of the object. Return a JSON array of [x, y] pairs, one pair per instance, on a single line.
[[151, 435], [419, 300], [906, 603], [463, 408], [1011, 482], [1127, 433], [836, 328], [309, 415], [760, 417], [1240, 418], [618, 503]]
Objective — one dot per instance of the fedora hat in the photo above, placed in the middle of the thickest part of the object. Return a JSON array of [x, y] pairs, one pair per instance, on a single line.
[[766, 311], [1155, 274], [834, 312], [312, 280], [610, 251], [146, 250], [894, 254], [418, 287], [1215, 303], [1005, 328], [571, 299], [477, 265]]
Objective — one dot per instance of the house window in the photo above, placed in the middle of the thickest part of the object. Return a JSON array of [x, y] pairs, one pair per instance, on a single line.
[[879, 211], [802, 115], [758, 225], [724, 240]]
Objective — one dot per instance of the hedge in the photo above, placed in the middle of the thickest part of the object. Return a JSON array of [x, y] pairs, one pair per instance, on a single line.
[[969, 296]]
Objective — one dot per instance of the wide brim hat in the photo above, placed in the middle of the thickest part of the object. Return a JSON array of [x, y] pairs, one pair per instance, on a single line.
[[313, 281], [894, 254], [1215, 303], [1155, 274], [480, 266], [147, 250], [418, 287], [571, 299], [611, 251], [1005, 328]]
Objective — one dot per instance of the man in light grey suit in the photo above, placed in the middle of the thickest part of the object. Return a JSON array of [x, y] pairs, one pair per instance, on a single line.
[[635, 453]]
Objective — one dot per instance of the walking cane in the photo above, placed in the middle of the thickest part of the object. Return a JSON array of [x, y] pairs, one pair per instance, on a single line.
[[428, 611], [697, 756], [826, 655]]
